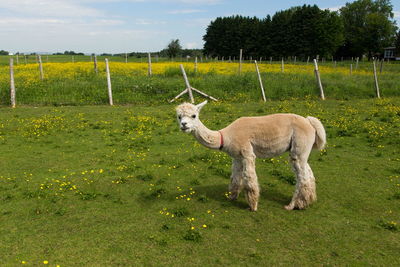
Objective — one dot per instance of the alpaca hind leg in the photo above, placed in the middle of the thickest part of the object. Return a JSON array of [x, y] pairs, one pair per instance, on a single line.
[[311, 185], [305, 192], [250, 182], [236, 179]]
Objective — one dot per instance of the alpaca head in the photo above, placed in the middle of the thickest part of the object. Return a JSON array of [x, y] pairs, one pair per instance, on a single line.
[[188, 116]]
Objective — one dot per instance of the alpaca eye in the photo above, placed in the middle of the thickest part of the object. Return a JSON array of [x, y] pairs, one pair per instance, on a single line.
[[193, 116], [179, 117]]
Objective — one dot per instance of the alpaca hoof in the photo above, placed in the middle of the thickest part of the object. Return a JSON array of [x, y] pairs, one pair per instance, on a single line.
[[252, 209], [233, 197], [288, 207]]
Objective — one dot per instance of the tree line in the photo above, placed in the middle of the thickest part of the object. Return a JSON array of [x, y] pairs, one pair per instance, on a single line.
[[363, 27]]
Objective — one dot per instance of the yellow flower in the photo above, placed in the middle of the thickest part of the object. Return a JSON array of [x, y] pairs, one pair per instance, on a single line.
[[23, 262], [192, 228], [45, 262], [204, 226]]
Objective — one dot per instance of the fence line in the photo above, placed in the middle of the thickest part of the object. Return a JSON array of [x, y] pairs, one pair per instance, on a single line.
[[378, 95], [260, 81], [40, 67], [149, 71], [12, 83], [316, 71], [110, 98], [321, 89]]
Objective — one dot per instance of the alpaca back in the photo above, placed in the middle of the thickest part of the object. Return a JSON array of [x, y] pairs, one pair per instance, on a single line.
[[320, 138]]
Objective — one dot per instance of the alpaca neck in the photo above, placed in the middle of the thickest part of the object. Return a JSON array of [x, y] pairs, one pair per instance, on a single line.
[[207, 137]]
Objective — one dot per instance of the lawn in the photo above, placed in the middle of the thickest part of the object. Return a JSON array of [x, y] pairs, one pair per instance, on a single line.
[[107, 186]]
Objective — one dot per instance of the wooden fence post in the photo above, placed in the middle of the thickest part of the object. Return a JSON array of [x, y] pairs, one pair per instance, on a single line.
[[195, 65], [376, 80], [240, 61], [109, 83], [12, 84], [17, 59], [40, 67], [126, 57], [149, 64], [357, 59], [270, 60], [321, 90], [95, 64], [187, 83], [381, 68], [282, 66], [351, 69], [259, 79], [26, 61], [73, 59]]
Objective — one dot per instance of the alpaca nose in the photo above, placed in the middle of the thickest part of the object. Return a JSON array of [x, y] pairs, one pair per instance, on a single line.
[[183, 123]]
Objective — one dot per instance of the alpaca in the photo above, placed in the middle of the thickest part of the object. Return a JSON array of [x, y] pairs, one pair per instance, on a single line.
[[264, 137]]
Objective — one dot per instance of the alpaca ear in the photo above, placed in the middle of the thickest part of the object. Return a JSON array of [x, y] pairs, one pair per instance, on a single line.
[[201, 105]]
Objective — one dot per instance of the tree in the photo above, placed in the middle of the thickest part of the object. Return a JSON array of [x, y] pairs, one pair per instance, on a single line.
[[299, 31], [368, 27], [226, 36], [397, 44], [174, 48], [3, 53]]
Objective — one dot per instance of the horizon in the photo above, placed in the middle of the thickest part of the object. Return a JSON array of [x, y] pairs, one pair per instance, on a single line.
[[124, 26]]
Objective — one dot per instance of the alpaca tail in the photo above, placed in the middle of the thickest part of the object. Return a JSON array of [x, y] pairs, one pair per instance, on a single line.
[[320, 137]]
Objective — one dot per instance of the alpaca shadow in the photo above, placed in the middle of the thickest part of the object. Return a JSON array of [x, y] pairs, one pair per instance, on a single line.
[[218, 193]]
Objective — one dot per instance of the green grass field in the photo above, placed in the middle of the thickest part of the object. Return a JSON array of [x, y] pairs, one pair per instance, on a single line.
[[78, 84], [110, 186]]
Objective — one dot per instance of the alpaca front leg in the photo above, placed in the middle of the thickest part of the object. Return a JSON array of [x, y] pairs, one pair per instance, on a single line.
[[236, 179], [250, 182]]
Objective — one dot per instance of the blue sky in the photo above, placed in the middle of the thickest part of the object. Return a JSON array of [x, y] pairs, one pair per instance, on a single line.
[[116, 26]]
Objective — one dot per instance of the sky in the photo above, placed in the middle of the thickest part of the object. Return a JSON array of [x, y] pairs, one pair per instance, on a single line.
[[119, 26]]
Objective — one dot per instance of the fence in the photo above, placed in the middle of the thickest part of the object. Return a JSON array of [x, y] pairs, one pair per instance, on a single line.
[[85, 83]]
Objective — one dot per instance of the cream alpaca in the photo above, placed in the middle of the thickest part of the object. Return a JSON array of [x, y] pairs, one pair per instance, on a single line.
[[266, 136]]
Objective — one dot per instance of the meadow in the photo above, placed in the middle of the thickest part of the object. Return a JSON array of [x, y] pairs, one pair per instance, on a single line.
[[87, 184], [78, 84], [100, 185]]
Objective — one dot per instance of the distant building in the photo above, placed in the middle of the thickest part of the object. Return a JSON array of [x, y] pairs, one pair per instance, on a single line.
[[390, 53]]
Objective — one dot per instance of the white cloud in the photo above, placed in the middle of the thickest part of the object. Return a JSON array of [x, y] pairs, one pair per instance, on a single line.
[[81, 25], [191, 45], [197, 2], [51, 8], [396, 14], [148, 22], [189, 2], [200, 22], [185, 11], [13, 22], [336, 8]]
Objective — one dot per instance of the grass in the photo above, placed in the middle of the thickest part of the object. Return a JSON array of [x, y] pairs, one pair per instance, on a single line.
[[30, 59], [100, 185], [77, 83]]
